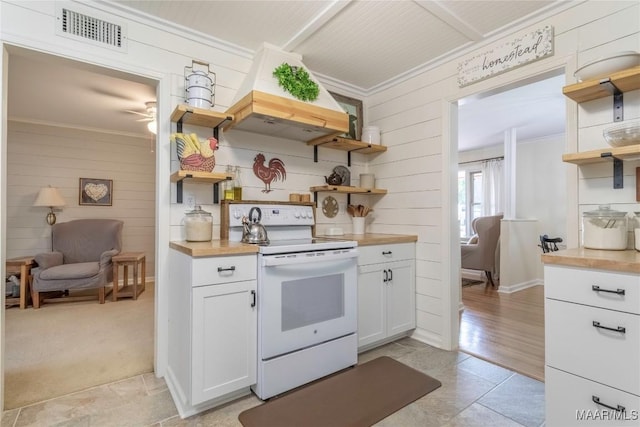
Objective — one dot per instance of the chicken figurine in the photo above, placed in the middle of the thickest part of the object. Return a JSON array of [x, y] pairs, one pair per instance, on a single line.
[[273, 172], [195, 155]]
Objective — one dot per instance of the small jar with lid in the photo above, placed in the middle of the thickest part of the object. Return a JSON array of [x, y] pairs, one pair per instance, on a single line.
[[198, 225], [604, 228]]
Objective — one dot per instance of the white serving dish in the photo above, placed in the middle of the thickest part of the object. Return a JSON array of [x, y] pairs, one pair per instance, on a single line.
[[602, 67], [622, 135]]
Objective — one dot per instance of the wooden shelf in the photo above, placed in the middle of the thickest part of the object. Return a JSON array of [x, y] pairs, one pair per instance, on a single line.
[[588, 90], [346, 144], [186, 114], [596, 156], [347, 190], [203, 177], [206, 177]]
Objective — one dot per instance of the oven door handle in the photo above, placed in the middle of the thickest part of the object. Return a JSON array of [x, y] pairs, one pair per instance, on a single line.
[[284, 260]]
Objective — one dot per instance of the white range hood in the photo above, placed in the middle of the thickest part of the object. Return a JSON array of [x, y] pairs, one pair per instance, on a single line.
[[262, 106]]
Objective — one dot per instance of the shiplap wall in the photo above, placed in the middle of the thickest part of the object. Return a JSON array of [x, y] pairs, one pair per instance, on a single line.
[[40, 155], [414, 116]]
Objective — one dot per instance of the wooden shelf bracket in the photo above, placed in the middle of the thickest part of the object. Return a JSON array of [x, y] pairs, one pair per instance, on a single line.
[[618, 170], [618, 102]]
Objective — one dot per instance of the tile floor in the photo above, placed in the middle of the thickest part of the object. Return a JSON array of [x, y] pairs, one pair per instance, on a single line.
[[473, 393]]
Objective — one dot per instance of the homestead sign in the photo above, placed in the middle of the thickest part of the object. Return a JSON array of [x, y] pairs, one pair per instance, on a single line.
[[519, 51]]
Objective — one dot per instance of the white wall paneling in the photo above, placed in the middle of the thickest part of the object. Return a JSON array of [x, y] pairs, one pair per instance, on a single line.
[[413, 116], [39, 155]]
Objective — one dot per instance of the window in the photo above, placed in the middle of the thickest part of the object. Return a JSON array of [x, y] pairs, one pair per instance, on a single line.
[[469, 199]]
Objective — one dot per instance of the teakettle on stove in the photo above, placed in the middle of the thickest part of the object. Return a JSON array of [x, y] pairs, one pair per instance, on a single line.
[[252, 230]]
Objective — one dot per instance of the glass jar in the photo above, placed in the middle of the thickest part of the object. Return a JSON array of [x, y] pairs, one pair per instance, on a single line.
[[228, 184], [198, 225], [237, 185], [604, 228]]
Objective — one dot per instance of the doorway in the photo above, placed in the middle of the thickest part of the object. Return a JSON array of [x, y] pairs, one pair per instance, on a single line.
[[77, 122], [505, 324]]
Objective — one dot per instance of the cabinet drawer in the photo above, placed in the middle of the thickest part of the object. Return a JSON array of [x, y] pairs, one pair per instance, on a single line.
[[215, 270], [574, 344], [570, 402], [384, 253], [576, 285]]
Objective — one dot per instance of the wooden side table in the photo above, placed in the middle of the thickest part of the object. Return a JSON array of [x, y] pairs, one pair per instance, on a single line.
[[22, 265], [125, 259]]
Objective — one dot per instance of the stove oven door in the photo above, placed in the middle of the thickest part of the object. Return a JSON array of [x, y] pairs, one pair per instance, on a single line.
[[306, 299]]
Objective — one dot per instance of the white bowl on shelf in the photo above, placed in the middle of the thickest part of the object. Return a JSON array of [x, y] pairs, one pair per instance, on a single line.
[[602, 67], [623, 135]]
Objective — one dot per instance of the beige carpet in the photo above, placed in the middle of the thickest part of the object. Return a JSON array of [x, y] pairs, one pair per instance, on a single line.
[[66, 347]]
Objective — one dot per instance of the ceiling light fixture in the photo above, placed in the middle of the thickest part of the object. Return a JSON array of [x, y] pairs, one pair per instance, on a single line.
[[152, 111]]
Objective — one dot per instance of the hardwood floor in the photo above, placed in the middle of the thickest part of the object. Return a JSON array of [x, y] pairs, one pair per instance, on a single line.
[[505, 329]]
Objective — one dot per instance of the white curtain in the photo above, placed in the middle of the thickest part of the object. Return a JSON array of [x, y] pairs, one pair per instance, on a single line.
[[492, 187]]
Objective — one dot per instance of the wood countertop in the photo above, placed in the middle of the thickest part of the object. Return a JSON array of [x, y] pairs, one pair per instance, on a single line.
[[369, 239], [213, 248], [225, 247], [627, 261]]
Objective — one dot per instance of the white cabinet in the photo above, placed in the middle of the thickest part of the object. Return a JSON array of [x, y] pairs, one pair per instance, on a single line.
[[386, 293], [212, 330], [592, 347]]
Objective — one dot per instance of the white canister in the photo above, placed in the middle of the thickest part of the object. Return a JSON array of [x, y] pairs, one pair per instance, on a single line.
[[604, 228], [367, 180], [199, 89], [371, 135], [198, 225], [358, 224]]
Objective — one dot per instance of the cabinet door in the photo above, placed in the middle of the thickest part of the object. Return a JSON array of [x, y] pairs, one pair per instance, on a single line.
[[401, 297], [372, 318], [224, 339]]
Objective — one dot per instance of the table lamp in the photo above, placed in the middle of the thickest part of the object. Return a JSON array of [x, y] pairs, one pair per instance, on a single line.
[[50, 197]]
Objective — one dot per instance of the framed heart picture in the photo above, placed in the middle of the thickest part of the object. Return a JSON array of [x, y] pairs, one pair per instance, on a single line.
[[96, 192]]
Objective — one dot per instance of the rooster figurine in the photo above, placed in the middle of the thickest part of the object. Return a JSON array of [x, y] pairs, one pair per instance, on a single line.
[[195, 155], [275, 171]]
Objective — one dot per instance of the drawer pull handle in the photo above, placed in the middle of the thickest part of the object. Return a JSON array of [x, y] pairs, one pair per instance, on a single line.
[[386, 252], [597, 288], [618, 408], [232, 268], [620, 329], [253, 294]]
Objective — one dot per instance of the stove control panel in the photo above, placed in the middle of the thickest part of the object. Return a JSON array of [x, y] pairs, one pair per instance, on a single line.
[[272, 215]]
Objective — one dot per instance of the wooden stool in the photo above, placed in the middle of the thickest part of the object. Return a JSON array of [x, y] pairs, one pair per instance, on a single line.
[[136, 259], [23, 265]]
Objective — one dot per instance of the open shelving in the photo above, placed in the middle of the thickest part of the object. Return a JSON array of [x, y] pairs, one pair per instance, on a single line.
[[343, 189], [186, 114], [614, 85], [345, 144]]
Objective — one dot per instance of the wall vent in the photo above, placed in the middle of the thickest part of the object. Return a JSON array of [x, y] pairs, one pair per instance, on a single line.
[[98, 31]]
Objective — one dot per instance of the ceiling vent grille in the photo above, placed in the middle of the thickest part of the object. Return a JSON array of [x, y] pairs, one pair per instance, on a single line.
[[87, 27]]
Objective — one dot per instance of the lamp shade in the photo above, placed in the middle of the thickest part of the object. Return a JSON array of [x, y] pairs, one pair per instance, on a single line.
[[49, 196]]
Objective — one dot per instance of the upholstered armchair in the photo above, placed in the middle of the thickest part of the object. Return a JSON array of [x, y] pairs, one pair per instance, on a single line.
[[483, 251], [80, 259]]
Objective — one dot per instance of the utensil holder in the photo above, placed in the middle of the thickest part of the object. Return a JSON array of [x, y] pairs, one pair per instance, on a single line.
[[358, 224]]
